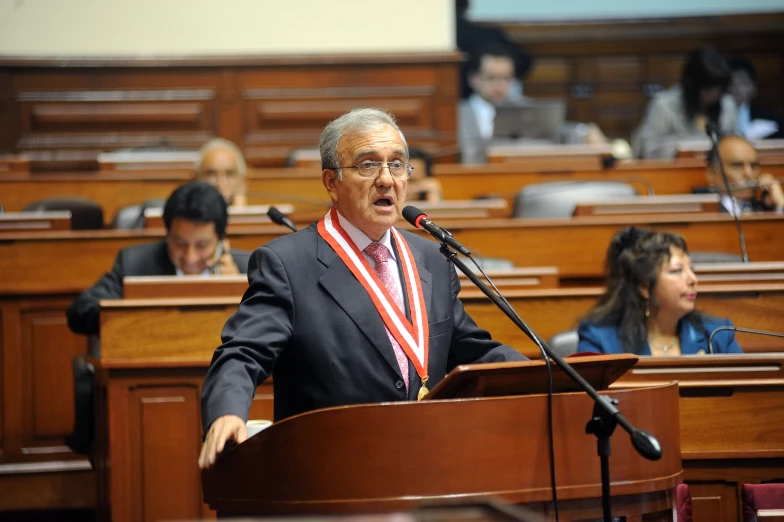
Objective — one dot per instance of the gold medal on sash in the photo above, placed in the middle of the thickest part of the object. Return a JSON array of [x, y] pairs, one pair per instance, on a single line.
[[423, 390]]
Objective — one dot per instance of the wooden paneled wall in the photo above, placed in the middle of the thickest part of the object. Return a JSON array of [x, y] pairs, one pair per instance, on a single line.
[[270, 106], [608, 70]]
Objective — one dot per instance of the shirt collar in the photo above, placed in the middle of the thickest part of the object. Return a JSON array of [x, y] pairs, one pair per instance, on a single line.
[[361, 240]]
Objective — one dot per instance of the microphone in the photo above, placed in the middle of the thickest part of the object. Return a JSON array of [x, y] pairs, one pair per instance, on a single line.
[[742, 330], [280, 218], [419, 219], [711, 129]]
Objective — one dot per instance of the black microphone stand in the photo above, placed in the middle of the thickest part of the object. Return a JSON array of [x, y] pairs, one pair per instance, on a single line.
[[605, 415]]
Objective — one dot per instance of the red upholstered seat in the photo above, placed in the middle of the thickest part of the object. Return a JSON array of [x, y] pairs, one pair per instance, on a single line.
[[761, 496]]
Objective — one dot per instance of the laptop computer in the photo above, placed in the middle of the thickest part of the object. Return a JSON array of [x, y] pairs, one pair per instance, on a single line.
[[540, 120]]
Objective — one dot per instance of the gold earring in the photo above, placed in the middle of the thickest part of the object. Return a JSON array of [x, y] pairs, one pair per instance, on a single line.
[[647, 310]]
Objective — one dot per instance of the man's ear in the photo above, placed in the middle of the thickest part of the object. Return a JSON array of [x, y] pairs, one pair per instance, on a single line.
[[330, 180]]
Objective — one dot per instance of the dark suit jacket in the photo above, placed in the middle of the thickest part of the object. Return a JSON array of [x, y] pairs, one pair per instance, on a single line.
[[151, 259], [307, 321], [604, 339]]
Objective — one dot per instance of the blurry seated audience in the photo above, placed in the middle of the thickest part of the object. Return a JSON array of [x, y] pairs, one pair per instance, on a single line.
[[195, 217], [752, 190], [682, 112], [422, 186], [648, 307], [471, 37], [491, 74], [754, 122], [222, 164]]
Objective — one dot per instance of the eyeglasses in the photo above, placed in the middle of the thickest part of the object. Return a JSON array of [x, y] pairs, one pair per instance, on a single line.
[[369, 169]]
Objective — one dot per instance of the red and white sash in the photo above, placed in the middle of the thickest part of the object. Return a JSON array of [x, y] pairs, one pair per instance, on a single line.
[[412, 335]]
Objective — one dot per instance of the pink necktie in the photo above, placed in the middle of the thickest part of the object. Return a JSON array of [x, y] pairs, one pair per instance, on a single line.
[[379, 254]]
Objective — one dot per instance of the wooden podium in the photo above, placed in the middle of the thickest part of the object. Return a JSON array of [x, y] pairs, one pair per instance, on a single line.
[[392, 457]]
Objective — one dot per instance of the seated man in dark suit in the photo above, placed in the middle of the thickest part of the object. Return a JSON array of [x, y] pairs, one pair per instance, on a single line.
[[347, 311], [752, 189], [195, 217]]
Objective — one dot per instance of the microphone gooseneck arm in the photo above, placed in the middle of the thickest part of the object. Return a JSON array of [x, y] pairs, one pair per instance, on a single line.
[[713, 135], [742, 330], [645, 443]]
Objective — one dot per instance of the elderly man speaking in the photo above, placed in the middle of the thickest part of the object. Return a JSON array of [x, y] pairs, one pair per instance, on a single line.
[[349, 310]]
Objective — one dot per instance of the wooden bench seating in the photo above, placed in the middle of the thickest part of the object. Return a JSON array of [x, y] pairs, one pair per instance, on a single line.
[[576, 246], [303, 188]]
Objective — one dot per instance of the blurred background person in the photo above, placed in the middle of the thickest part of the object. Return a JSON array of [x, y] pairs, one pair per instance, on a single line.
[[422, 186], [754, 122], [195, 217], [683, 111], [472, 37], [222, 165], [752, 190], [648, 307]]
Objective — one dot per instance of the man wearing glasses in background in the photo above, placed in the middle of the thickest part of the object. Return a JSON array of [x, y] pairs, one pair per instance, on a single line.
[[349, 310], [752, 189], [222, 165]]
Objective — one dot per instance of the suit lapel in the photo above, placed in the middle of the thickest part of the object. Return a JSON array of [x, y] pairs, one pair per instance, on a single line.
[[352, 297]]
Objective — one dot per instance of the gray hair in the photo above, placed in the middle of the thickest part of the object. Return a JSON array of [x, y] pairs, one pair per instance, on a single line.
[[354, 121], [220, 143]]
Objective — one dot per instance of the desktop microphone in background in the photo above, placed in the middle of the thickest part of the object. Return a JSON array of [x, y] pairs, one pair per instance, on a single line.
[[742, 330], [280, 218], [419, 219], [713, 133]]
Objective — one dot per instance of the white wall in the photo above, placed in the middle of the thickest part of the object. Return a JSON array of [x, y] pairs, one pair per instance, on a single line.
[[223, 27], [526, 10]]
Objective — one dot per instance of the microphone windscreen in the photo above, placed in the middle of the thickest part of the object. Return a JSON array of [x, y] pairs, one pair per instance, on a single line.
[[276, 216], [411, 213]]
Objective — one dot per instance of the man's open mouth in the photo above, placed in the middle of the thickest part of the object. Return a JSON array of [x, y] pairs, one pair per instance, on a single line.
[[383, 202]]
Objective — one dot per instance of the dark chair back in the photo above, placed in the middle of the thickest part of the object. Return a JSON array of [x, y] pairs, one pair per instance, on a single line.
[[85, 213]]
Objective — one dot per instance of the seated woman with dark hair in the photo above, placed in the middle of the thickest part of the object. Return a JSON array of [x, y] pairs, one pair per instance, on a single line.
[[683, 111], [648, 308]]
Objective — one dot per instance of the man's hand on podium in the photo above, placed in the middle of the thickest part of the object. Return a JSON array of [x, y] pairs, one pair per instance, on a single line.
[[228, 427]]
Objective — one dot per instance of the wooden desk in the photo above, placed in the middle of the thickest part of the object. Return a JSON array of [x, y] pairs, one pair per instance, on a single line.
[[518, 152], [671, 204], [731, 413], [699, 148], [35, 221], [577, 246], [148, 160], [658, 177], [239, 217], [13, 163]]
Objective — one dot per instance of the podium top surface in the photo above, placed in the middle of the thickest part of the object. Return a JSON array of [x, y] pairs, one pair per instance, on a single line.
[[528, 377]]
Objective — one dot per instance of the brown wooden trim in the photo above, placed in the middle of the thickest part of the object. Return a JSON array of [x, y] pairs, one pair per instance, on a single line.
[[294, 60], [641, 28]]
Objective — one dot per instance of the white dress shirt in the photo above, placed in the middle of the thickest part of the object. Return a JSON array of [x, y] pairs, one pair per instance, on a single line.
[[485, 115], [362, 241]]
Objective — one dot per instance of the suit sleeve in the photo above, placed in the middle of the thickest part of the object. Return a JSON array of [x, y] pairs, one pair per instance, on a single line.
[[471, 344], [253, 338], [724, 341], [589, 341], [83, 314]]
